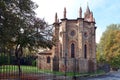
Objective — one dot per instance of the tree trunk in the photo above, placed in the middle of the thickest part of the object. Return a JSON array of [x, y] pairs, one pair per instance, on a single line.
[[19, 69], [18, 54]]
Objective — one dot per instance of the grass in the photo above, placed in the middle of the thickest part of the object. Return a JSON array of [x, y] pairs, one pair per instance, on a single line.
[[14, 68], [33, 69], [99, 72], [7, 68]]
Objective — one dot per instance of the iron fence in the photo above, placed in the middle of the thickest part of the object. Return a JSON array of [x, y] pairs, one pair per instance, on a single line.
[[29, 70], [41, 68]]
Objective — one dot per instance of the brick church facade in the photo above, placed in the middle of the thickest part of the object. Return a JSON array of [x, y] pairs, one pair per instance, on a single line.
[[75, 48]]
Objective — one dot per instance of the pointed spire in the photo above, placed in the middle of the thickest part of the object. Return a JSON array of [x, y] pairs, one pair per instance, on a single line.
[[55, 17], [87, 10], [65, 12], [92, 13], [80, 12], [91, 16], [58, 20], [87, 14], [93, 19]]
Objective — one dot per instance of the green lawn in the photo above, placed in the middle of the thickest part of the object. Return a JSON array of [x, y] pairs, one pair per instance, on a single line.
[[14, 68], [33, 69]]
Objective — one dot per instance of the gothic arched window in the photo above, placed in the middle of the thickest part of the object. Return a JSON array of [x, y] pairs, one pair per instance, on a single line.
[[85, 51], [72, 50], [48, 59]]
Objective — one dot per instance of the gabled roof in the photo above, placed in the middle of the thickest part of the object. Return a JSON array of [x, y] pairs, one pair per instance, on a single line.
[[45, 52]]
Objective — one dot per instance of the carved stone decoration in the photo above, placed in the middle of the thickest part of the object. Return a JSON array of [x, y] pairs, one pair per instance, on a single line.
[[75, 47], [72, 33]]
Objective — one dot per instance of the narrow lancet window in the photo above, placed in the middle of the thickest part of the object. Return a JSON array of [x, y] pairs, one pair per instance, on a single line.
[[48, 59], [85, 51], [72, 50]]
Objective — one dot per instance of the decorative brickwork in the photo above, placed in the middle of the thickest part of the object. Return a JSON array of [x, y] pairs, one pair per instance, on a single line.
[[75, 49]]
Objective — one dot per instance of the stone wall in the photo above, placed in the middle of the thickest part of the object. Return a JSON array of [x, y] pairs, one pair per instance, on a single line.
[[73, 65], [43, 64], [68, 65], [83, 65]]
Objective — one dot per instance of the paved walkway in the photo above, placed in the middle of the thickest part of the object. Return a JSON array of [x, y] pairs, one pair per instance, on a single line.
[[108, 76]]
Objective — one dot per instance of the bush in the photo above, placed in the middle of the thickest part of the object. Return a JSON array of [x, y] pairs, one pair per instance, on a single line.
[[115, 62], [34, 63], [6, 59], [28, 60]]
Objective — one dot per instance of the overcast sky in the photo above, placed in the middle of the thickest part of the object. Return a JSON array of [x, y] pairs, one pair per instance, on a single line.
[[105, 12]]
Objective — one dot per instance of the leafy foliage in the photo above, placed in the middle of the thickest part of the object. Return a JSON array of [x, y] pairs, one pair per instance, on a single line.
[[20, 28], [108, 49]]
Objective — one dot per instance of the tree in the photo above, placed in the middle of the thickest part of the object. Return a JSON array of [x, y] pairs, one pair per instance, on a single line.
[[100, 56], [109, 47], [19, 28]]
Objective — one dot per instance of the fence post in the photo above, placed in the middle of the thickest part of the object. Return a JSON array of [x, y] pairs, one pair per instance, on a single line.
[[74, 70]]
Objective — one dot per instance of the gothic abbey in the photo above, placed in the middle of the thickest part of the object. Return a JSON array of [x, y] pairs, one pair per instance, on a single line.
[[75, 48]]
